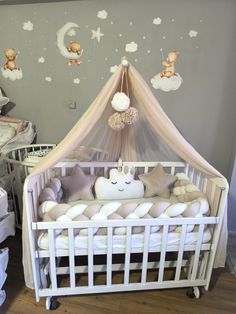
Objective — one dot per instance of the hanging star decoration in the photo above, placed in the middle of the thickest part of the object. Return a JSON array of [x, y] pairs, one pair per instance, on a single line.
[[97, 34]]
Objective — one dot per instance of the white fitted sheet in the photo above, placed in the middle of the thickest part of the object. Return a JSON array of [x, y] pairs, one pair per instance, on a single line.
[[137, 240]]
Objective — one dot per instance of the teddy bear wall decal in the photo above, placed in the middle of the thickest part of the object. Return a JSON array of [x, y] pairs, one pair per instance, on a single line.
[[74, 51], [10, 69], [11, 57], [169, 64], [74, 47], [168, 79]]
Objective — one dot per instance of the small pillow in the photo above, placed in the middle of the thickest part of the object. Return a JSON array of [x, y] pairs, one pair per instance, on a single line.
[[157, 182], [7, 133], [78, 185], [18, 124], [120, 185]]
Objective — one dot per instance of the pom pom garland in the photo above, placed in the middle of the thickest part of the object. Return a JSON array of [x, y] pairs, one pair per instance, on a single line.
[[115, 122], [118, 120], [130, 116], [126, 115], [120, 102]]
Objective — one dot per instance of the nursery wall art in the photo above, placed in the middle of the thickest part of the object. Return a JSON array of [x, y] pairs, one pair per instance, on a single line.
[[97, 34], [10, 69], [168, 79], [46, 37], [74, 51]]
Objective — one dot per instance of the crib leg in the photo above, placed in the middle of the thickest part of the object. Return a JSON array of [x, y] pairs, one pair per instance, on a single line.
[[51, 303], [193, 292]]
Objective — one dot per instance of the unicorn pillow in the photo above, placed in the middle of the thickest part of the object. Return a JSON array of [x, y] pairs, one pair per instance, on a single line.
[[120, 185]]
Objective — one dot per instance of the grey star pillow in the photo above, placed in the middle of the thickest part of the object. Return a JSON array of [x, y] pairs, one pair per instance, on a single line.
[[78, 185], [157, 182]]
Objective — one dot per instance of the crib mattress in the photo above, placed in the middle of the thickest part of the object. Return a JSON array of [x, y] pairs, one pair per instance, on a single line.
[[119, 241]]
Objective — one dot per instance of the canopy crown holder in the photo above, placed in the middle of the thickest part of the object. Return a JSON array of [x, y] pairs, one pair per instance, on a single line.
[[124, 62]]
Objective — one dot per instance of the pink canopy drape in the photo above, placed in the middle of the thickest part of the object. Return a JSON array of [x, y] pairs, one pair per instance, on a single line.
[[122, 144]]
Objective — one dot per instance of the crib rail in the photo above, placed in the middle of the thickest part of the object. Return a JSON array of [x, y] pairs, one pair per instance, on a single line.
[[104, 167], [189, 263], [195, 265]]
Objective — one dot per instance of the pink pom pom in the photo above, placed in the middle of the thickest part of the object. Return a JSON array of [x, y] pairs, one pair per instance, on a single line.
[[115, 122], [130, 116]]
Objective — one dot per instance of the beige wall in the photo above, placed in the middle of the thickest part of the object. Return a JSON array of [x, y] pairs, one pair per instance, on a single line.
[[203, 108]]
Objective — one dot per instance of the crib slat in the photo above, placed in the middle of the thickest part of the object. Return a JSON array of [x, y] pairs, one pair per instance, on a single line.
[[19, 156], [90, 257], [197, 252], [145, 254], [191, 177], [109, 256], [204, 187], [41, 182], [198, 180], [215, 204], [52, 258], [163, 252], [180, 253], [213, 193], [48, 175], [71, 257], [106, 172], [187, 169], [127, 255], [63, 171]]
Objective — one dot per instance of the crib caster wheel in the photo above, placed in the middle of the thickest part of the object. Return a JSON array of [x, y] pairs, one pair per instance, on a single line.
[[193, 292], [51, 303]]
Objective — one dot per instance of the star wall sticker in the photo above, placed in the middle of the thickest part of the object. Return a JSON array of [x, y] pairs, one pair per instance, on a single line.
[[97, 34]]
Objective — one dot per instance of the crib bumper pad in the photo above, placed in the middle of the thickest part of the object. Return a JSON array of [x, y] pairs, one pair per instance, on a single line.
[[51, 211]]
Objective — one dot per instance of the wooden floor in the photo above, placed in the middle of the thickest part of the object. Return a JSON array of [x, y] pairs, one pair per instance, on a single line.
[[219, 300]]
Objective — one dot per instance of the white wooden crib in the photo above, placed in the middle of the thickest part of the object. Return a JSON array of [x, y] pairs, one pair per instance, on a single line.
[[190, 264]]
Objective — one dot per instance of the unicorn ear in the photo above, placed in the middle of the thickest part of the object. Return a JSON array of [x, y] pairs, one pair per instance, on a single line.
[[132, 170], [113, 173], [126, 170]]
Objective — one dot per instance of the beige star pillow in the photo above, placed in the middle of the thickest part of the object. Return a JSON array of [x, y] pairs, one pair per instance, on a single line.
[[78, 185], [157, 182]]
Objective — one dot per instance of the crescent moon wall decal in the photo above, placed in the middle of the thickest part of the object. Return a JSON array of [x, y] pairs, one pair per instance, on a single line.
[[61, 41]]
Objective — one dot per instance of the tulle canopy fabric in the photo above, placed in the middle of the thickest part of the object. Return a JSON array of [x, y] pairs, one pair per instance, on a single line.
[[153, 138]]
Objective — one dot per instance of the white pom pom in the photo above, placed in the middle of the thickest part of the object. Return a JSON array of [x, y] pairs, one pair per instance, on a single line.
[[120, 102]]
